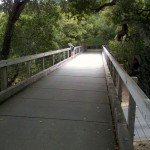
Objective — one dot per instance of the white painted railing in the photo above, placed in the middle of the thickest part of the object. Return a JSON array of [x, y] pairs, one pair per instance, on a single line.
[[137, 96], [28, 69]]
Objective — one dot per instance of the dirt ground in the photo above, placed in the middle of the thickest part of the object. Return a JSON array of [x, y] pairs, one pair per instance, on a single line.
[[144, 145]]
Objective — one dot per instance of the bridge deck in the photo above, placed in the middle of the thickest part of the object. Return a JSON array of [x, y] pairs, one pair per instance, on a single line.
[[67, 110]]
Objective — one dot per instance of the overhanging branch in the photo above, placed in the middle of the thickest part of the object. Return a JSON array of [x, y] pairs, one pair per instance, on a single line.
[[143, 10], [112, 3]]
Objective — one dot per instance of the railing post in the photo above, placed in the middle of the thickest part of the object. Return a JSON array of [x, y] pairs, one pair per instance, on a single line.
[[64, 54], [53, 59], [59, 57], [75, 51], [120, 87], [131, 112], [28, 69], [110, 65], [68, 54], [43, 63], [114, 75], [4, 81]]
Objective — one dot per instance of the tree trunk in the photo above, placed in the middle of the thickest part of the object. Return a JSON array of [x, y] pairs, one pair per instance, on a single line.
[[7, 39], [12, 19]]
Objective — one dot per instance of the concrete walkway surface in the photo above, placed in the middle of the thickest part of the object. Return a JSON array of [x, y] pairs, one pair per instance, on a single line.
[[67, 110]]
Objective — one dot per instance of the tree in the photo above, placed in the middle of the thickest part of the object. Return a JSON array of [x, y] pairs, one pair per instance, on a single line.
[[37, 29], [14, 10]]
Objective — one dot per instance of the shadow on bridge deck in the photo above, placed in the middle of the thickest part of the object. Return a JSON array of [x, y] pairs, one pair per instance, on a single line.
[[67, 110]]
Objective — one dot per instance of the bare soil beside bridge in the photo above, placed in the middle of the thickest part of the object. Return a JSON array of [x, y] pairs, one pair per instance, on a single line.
[[144, 145]]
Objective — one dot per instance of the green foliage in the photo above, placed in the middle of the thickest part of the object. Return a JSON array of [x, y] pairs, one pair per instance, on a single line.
[[100, 30], [136, 14], [45, 26], [3, 21], [138, 27], [35, 30], [48, 25]]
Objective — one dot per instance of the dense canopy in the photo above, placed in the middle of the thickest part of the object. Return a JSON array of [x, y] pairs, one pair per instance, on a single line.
[[35, 26]]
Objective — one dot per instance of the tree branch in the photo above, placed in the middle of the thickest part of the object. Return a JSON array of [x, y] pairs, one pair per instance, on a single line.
[[112, 3], [143, 10]]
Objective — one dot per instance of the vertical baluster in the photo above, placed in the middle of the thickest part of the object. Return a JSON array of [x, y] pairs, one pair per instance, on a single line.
[[119, 88], [43, 63], [119, 92], [68, 54], [28, 69], [59, 55], [53, 59], [75, 51], [114, 75], [64, 55], [4, 81], [110, 65]]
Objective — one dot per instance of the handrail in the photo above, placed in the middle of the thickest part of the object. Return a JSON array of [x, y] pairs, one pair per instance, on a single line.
[[142, 101], [4, 63], [30, 68]]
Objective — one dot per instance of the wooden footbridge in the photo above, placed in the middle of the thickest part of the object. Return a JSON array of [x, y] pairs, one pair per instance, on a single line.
[[62, 101]]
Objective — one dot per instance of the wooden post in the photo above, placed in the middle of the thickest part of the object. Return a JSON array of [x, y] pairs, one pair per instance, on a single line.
[[120, 87], [59, 55], [131, 112], [114, 75], [53, 59], [75, 51], [28, 69], [110, 65], [4, 81], [108, 62], [64, 54], [68, 54], [43, 64]]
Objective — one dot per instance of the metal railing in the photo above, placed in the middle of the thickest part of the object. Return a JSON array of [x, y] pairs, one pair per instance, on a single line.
[[136, 95], [15, 74]]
